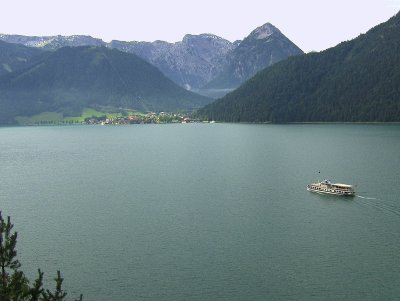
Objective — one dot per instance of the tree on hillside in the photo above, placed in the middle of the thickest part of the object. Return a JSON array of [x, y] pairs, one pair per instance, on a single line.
[[14, 285]]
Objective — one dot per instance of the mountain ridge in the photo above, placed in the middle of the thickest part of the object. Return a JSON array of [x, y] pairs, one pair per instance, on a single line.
[[191, 62], [195, 61]]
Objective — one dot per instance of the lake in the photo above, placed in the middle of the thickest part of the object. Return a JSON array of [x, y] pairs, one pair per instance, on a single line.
[[206, 211]]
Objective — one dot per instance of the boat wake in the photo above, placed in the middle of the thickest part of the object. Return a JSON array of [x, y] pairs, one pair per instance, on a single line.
[[366, 198], [379, 204]]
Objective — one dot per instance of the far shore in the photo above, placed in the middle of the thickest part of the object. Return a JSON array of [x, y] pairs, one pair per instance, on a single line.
[[201, 122]]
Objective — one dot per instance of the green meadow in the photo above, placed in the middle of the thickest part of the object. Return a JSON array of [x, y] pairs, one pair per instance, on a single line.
[[48, 118]]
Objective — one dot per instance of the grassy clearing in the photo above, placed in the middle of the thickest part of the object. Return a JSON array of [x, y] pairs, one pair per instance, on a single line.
[[58, 118], [45, 117]]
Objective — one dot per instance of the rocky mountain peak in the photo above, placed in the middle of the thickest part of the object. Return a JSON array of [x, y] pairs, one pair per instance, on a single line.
[[262, 48], [264, 31]]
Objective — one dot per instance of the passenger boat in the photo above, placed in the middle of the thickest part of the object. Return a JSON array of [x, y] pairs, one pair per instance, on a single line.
[[327, 187]]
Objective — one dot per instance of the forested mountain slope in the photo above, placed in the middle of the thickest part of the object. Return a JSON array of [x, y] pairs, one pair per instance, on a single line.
[[358, 80]]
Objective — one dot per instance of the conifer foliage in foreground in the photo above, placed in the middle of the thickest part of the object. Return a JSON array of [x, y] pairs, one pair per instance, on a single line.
[[14, 285]]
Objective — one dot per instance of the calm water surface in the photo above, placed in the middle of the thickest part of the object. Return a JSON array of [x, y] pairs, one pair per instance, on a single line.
[[206, 211]]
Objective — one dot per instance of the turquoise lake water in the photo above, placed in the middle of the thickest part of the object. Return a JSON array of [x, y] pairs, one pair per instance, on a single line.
[[206, 211]]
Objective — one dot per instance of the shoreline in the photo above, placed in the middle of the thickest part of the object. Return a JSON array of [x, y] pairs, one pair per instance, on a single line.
[[204, 122]]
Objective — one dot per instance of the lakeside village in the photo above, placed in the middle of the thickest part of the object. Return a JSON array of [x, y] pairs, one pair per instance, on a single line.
[[148, 118]]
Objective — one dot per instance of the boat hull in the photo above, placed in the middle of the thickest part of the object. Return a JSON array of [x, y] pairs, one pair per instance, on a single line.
[[331, 192]]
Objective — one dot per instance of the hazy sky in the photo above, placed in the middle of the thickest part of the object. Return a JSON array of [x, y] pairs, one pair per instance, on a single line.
[[311, 24]]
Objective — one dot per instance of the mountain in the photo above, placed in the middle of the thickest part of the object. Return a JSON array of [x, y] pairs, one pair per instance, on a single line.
[[263, 47], [14, 57], [203, 63], [70, 79], [52, 42], [356, 81], [191, 63]]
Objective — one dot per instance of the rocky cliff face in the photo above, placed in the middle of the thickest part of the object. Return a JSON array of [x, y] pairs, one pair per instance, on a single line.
[[191, 63]]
